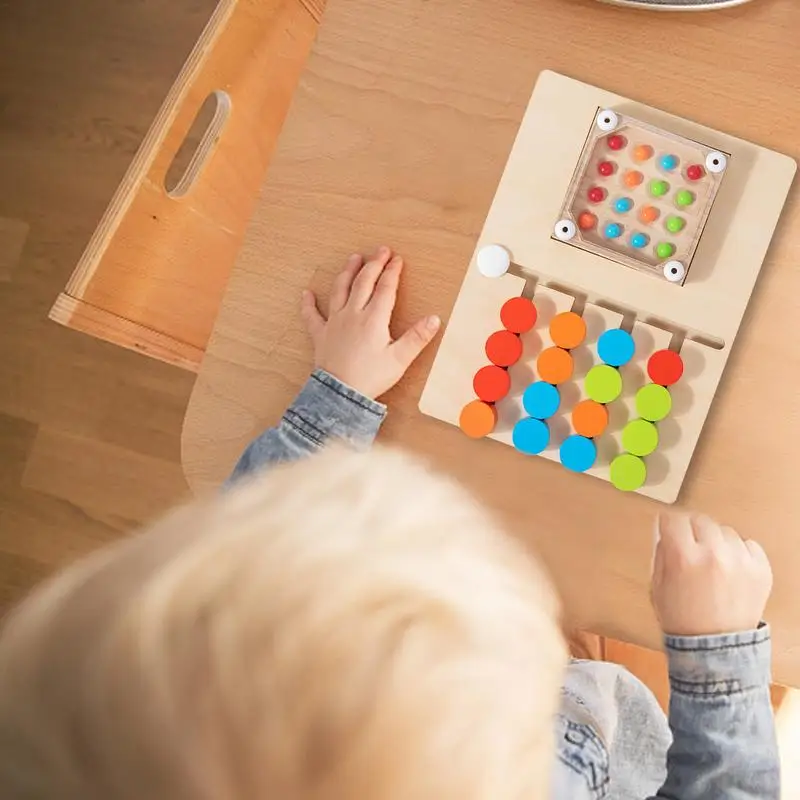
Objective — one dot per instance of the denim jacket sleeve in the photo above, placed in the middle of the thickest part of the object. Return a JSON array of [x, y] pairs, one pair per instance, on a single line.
[[325, 409], [724, 743]]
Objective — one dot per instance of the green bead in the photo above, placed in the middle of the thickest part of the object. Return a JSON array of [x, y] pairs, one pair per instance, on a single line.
[[658, 188], [653, 402], [603, 383], [684, 198], [665, 250], [640, 437], [628, 473], [675, 224]]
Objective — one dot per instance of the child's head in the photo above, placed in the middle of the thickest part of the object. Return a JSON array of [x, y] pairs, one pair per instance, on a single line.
[[352, 626]]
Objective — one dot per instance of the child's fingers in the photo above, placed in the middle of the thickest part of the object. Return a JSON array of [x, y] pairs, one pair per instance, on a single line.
[[364, 283], [344, 280], [414, 340], [385, 295], [659, 567], [733, 541], [757, 553], [657, 563], [707, 532], [315, 322], [675, 533]]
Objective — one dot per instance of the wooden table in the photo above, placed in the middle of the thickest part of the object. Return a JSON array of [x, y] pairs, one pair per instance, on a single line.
[[398, 133]]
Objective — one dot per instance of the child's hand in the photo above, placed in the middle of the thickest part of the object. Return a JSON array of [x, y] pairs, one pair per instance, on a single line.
[[706, 578], [354, 343]]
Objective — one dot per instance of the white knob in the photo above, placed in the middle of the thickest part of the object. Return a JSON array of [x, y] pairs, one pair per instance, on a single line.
[[716, 162], [493, 260], [674, 271], [565, 230], [607, 120]]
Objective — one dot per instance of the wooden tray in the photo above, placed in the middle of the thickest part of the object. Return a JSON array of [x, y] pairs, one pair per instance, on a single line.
[[152, 276]]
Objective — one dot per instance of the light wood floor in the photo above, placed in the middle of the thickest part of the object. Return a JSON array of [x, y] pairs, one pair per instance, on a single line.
[[89, 433]]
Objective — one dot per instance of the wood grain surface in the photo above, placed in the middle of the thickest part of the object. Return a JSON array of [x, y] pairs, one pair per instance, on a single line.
[[399, 132], [153, 273], [89, 432]]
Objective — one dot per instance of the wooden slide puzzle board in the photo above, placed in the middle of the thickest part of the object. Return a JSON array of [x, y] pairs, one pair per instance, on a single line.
[[627, 407]]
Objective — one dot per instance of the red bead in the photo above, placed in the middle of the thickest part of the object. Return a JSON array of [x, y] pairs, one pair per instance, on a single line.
[[518, 314], [596, 194], [605, 168], [695, 172], [504, 348], [491, 383], [616, 142], [665, 367]]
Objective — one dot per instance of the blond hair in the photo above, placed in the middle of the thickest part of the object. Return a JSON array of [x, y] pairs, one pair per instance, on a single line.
[[351, 626]]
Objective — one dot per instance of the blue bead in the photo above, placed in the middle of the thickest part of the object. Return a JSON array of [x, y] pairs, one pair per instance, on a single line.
[[578, 453], [531, 436], [616, 347], [541, 400], [613, 231], [623, 205], [668, 162], [639, 240]]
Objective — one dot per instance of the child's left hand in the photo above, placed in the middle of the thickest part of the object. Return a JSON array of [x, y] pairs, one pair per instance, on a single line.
[[354, 344], [707, 580]]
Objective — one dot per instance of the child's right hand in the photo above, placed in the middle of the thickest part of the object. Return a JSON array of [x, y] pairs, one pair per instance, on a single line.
[[353, 343], [706, 579]]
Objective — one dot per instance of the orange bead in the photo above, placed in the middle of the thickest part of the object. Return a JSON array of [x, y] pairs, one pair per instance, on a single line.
[[478, 419], [504, 348], [491, 383], [632, 178], [554, 365], [587, 221], [589, 418], [649, 214], [567, 330], [642, 152]]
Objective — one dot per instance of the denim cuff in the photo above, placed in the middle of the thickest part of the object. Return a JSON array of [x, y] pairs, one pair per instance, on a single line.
[[722, 664], [327, 408]]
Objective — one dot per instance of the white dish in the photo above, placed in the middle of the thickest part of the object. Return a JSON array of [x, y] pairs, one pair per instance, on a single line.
[[678, 5]]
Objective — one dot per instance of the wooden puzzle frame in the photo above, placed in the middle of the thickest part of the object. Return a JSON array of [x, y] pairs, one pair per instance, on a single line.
[[700, 319], [687, 149]]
